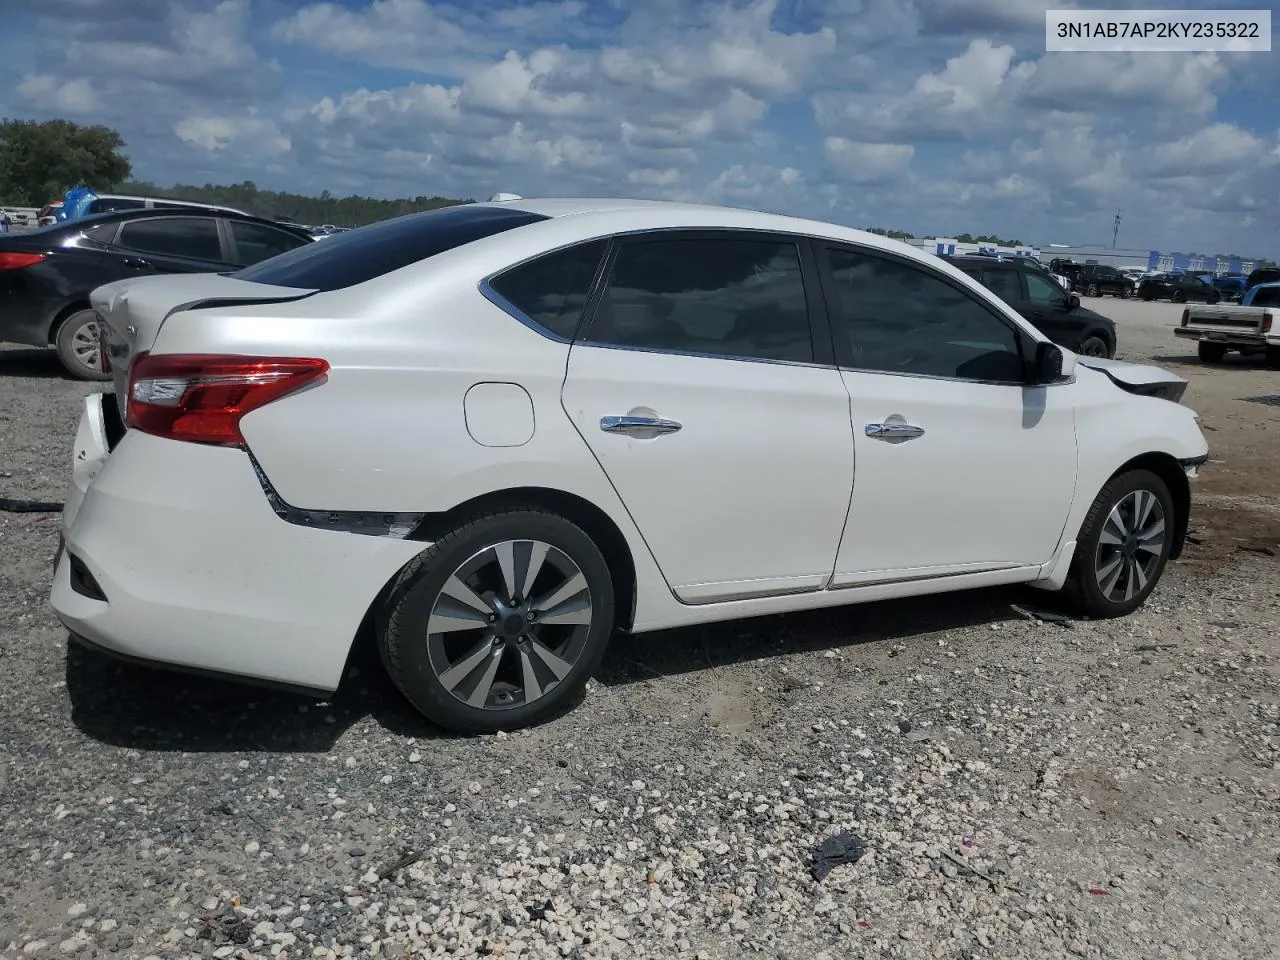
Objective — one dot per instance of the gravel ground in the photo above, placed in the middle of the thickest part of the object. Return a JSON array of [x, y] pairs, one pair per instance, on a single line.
[[1023, 788]]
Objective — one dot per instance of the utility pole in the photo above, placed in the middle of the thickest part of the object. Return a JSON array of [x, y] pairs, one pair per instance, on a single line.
[[1116, 232]]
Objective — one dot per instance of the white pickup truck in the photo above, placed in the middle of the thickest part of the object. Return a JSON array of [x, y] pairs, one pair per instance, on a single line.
[[1250, 329]]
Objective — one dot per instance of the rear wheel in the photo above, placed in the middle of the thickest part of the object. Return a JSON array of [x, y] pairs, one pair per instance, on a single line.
[[1211, 352], [1273, 358], [1213, 298], [499, 624], [1179, 296], [1091, 290], [1123, 545], [77, 344], [1126, 293]]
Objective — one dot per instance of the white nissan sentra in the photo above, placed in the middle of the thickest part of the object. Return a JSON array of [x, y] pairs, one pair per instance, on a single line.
[[506, 432]]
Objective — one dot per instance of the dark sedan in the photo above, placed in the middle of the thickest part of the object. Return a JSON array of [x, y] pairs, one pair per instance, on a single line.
[[46, 275], [1178, 287]]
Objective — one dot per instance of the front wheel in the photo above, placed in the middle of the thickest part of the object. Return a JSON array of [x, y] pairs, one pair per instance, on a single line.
[[1212, 298], [1091, 290], [78, 348], [1126, 293], [499, 623], [1123, 545], [1273, 358], [1179, 297]]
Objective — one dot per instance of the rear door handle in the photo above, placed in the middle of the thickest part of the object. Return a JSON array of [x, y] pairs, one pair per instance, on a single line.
[[894, 431], [642, 427]]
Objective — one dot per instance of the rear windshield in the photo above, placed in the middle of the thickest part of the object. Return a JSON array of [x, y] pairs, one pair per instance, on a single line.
[[346, 259], [1267, 297]]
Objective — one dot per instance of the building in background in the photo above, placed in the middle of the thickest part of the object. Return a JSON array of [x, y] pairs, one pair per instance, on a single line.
[[950, 247]]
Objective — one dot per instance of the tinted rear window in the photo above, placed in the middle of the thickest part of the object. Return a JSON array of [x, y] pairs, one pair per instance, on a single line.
[[1267, 297], [346, 259]]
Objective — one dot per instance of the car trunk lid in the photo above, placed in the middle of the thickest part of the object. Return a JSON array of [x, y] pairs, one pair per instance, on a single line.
[[131, 312]]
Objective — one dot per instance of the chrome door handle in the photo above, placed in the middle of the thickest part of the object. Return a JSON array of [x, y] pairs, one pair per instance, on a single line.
[[644, 427], [894, 431]]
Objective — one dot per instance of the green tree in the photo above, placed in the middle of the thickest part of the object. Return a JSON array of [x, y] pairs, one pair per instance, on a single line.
[[40, 161], [891, 234], [316, 210]]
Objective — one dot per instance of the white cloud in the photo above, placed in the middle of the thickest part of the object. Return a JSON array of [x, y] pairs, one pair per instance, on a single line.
[[45, 91], [866, 162], [255, 134], [949, 108], [1220, 148]]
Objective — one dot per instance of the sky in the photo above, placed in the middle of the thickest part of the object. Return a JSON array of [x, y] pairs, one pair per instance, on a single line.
[[932, 116]]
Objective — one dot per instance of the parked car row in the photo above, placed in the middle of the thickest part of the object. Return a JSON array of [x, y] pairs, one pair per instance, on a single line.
[[500, 432], [47, 274]]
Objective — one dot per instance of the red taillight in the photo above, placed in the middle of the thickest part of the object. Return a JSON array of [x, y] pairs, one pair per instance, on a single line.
[[1186, 315], [16, 261], [1266, 322], [201, 398]]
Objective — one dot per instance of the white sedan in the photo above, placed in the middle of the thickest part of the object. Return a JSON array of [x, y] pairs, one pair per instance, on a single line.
[[503, 433]]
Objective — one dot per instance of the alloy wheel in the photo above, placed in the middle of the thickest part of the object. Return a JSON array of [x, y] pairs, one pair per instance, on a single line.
[[84, 345], [1130, 546], [509, 624]]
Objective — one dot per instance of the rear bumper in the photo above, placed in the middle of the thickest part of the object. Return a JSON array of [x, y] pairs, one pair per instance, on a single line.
[[194, 570], [1230, 338]]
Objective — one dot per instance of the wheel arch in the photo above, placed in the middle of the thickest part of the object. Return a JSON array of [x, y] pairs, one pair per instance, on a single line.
[[1167, 468], [594, 521], [59, 318]]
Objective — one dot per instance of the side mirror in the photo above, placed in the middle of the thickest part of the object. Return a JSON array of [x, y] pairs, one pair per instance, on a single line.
[[1073, 302], [1048, 363]]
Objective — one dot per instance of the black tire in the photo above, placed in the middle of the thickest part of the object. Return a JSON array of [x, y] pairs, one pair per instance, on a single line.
[[77, 345], [1147, 297], [1212, 298], [1179, 296], [1092, 290], [414, 657], [1211, 352], [1126, 293], [1094, 346], [1093, 559], [1273, 358]]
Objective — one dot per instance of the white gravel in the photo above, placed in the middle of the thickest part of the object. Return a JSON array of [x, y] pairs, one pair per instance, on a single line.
[[1024, 789]]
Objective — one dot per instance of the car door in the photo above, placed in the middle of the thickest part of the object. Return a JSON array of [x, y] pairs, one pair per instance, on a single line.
[[704, 386], [170, 245], [960, 466]]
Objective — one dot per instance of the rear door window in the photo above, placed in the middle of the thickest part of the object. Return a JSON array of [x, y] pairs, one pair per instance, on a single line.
[[346, 259], [737, 296], [256, 242], [193, 238], [1003, 283]]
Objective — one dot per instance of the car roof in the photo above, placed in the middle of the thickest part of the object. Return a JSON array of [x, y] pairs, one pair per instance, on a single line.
[[116, 216], [617, 215]]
